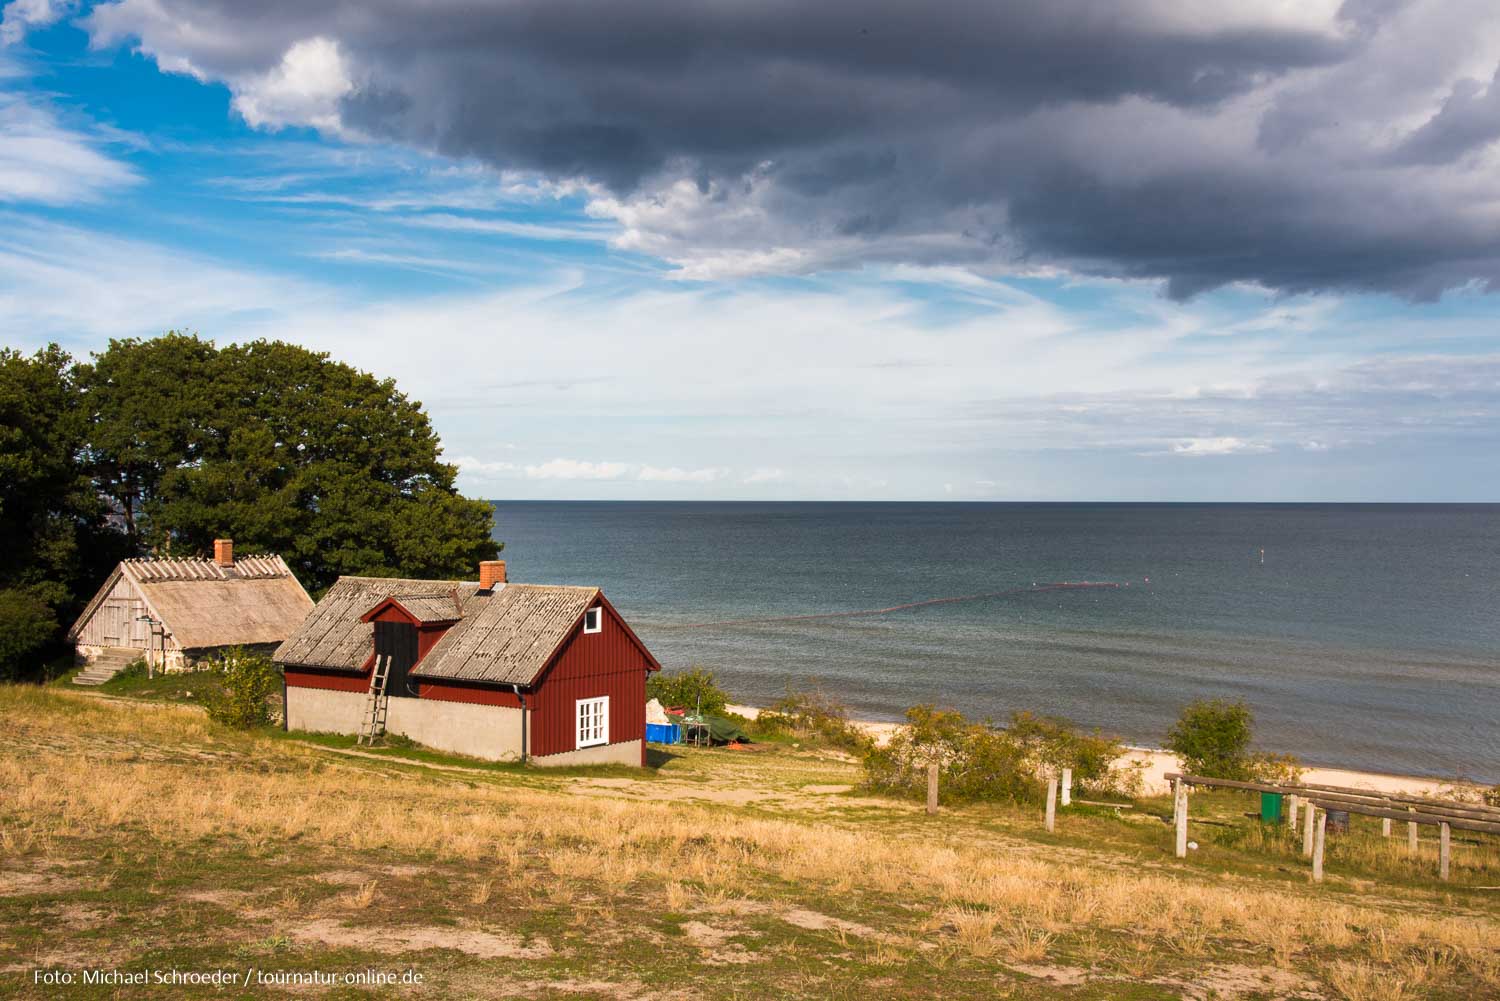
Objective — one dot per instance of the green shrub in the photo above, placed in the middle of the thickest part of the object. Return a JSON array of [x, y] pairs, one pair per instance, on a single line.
[[692, 689], [813, 716], [136, 670], [249, 680], [1212, 737], [27, 628], [976, 761], [1052, 744], [1276, 769]]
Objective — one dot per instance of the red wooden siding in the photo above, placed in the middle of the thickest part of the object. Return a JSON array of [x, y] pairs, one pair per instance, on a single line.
[[332, 681], [481, 695], [587, 666]]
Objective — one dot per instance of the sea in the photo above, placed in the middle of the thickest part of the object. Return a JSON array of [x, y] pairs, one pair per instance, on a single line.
[[1362, 636]]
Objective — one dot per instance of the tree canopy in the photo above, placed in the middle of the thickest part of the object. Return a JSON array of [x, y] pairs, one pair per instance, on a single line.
[[161, 445]]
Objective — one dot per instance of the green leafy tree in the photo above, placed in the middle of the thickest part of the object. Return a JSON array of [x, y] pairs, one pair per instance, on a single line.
[[283, 449], [56, 545], [690, 689], [1212, 737]]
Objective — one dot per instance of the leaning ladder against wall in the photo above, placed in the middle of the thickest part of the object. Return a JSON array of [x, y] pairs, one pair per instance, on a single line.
[[376, 703]]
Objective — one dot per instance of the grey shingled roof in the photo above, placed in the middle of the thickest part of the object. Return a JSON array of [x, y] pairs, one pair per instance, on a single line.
[[507, 637], [333, 635], [427, 608]]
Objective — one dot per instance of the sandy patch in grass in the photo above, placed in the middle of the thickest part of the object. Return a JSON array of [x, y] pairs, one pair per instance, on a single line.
[[1234, 981], [24, 884], [417, 938], [717, 949], [343, 877], [80, 916], [827, 790], [1066, 976], [221, 898], [813, 921]]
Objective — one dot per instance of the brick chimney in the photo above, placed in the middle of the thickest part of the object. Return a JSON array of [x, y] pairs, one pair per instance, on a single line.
[[491, 572], [224, 552]]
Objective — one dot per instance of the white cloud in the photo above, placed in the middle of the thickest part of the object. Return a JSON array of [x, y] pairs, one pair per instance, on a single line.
[[1218, 446], [41, 160], [674, 475], [74, 285], [509, 227], [573, 469], [21, 16], [305, 89], [764, 475], [481, 467]]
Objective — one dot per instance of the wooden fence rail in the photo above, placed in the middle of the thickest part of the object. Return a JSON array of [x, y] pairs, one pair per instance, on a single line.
[[1445, 815]]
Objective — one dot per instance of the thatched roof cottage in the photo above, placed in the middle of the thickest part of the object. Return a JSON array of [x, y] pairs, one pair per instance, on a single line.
[[172, 612]]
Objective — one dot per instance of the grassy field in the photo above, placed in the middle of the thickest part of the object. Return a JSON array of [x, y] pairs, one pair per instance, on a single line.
[[136, 835]]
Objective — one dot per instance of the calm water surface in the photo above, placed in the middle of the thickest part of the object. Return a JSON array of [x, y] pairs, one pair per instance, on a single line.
[[1368, 638]]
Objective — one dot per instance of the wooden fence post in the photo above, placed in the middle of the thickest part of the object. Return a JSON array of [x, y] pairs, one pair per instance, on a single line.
[[1411, 833], [1291, 814], [1067, 786], [1180, 804], [1051, 801], [1385, 827], [1307, 830], [1318, 846], [932, 787], [1444, 839]]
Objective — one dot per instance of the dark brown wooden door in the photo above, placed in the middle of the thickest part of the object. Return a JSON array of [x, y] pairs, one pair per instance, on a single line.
[[398, 640]]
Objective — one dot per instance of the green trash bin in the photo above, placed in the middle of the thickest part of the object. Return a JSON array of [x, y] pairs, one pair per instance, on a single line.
[[1270, 807]]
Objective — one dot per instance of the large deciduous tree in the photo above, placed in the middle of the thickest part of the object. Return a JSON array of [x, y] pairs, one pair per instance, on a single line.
[[284, 450], [51, 517]]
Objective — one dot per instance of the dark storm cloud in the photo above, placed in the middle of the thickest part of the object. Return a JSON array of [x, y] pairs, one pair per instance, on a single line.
[[1202, 144]]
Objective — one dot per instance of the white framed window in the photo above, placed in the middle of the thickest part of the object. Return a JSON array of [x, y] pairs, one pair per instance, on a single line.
[[593, 721], [593, 620]]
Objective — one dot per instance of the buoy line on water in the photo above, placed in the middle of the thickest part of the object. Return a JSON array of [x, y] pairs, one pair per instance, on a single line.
[[1061, 585]]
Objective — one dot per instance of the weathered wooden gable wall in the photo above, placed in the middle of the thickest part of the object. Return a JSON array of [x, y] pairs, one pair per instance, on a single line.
[[116, 620]]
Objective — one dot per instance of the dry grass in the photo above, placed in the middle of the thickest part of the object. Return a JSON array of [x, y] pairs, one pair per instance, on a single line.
[[1010, 905], [361, 898]]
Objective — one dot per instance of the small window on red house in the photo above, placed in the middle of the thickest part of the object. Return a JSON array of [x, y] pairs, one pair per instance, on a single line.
[[593, 620]]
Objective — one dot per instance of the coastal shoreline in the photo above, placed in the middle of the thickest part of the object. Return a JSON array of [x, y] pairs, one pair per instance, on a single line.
[[1156, 764]]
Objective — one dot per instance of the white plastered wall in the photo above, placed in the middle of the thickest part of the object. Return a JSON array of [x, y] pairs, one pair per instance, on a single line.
[[489, 732]]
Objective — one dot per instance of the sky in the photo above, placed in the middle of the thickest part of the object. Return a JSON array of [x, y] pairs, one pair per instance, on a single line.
[[748, 249]]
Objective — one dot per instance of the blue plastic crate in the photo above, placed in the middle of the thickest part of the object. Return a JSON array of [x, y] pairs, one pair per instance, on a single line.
[[663, 733]]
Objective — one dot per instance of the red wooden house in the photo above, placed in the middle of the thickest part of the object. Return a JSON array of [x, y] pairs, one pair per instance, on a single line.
[[492, 669]]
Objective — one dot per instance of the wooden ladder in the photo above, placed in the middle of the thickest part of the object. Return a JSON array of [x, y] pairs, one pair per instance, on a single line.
[[376, 703]]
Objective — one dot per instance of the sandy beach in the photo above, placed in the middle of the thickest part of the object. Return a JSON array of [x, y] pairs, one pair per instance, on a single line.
[[1156, 764]]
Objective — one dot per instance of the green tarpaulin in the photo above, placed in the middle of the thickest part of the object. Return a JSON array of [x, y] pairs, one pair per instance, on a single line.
[[720, 730]]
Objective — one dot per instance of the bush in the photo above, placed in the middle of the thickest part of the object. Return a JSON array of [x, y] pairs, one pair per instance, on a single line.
[[976, 761], [1491, 796], [27, 627], [1212, 737], [692, 689], [249, 680], [136, 670], [1052, 744], [813, 716]]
